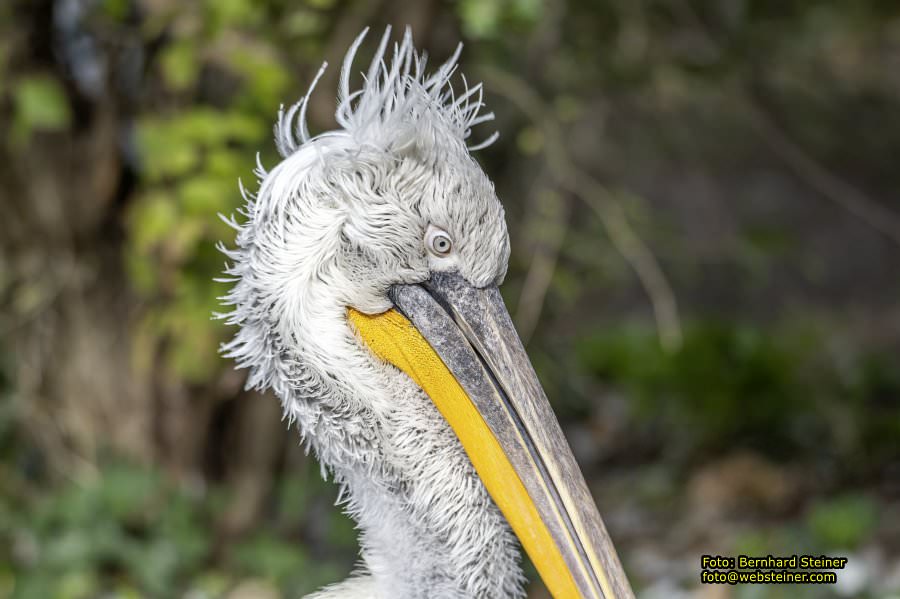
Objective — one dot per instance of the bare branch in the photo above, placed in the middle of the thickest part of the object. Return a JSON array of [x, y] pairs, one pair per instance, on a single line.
[[540, 271], [604, 203], [836, 189]]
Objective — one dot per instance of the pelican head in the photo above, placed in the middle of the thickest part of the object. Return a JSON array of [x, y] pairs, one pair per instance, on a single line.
[[365, 294]]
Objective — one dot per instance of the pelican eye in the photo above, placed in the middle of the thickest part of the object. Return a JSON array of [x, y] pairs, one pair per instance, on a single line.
[[438, 241]]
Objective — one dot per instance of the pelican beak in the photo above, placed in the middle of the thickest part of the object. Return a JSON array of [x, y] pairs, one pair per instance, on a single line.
[[458, 343]]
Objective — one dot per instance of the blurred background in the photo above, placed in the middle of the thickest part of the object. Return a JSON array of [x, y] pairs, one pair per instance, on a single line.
[[703, 201]]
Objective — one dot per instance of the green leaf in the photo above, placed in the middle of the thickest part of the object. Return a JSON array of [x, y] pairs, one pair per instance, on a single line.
[[230, 13], [164, 150], [527, 10], [480, 18], [530, 141], [243, 127], [151, 220], [305, 23], [843, 522], [206, 196], [321, 4], [266, 78], [126, 490], [271, 558], [40, 103], [115, 9], [210, 584], [180, 65]]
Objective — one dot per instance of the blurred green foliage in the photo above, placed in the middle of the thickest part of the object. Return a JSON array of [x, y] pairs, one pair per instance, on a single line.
[[132, 532], [128, 530], [192, 159], [489, 19], [735, 385], [843, 522], [787, 389], [40, 104], [192, 166]]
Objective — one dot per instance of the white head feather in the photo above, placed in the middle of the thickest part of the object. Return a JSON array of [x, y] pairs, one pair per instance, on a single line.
[[351, 204]]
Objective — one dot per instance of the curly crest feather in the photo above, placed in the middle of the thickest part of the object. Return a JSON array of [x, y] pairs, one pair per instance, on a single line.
[[398, 104]]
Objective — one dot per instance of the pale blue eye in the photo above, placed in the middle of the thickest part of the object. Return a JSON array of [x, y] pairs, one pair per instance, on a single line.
[[438, 241]]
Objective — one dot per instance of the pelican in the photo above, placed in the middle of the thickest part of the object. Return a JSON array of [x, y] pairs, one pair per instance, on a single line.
[[365, 293]]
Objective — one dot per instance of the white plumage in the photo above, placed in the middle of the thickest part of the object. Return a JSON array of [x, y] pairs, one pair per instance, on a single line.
[[338, 221]]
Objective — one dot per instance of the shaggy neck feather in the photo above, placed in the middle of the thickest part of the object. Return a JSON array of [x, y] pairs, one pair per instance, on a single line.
[[428, 527]]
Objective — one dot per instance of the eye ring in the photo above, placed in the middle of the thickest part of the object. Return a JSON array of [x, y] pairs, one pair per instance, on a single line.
[[438, 241]]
